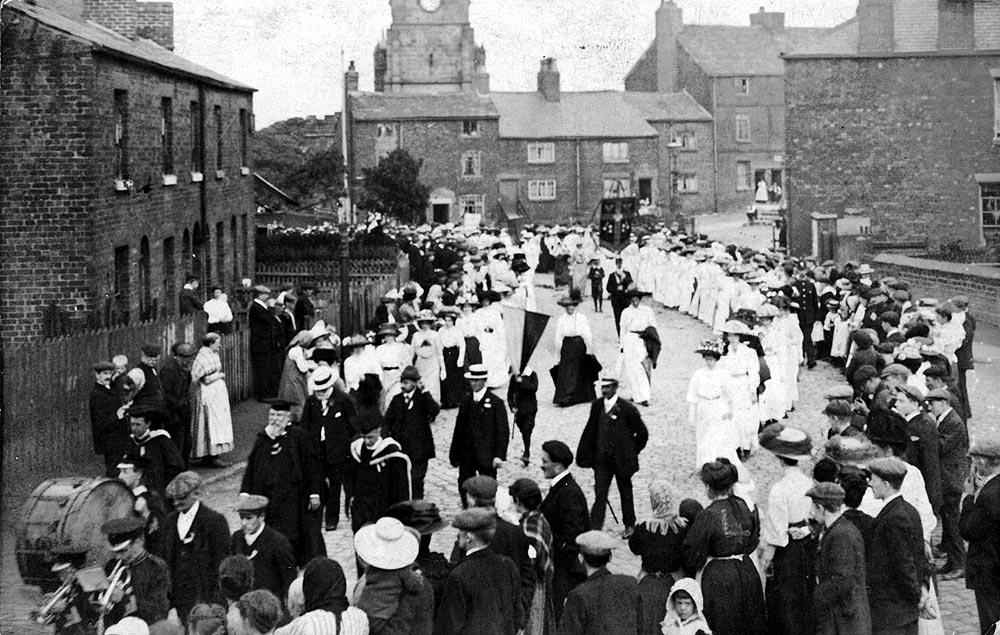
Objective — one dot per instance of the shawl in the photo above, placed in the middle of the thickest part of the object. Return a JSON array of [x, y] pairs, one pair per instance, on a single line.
[[206, 363], [536, 528], [664, 503]]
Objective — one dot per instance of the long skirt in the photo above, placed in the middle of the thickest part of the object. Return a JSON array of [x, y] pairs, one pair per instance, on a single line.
[[430, 373], [635, 368], [572, 385], [653, 592], [541, 618], [734, 599], [745, 415], [561, 274], [790, 588], [213, 423], [453, 386], [472, 352], [715, 436]]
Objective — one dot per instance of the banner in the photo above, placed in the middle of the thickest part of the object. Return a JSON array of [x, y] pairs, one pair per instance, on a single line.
[[524, 331], [616, 221]]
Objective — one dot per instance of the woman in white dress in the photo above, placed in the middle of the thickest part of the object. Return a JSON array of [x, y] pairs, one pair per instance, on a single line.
[[775, 396], [788, 322], [428, 354], [393, 356], [359, 360], [213, 424], [573, 340], [636, 367], [492, 338], [710, 407], [740, 363]]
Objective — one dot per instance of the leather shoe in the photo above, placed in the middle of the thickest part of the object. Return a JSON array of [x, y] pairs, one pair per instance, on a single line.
[[628, 533]]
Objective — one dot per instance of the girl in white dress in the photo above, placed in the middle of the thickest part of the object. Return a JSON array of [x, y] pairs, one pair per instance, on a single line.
[[741, 364], [710, 407], [428, 354], [775, 396]]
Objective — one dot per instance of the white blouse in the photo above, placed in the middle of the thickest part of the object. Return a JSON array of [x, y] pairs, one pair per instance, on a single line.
[[575, 325]]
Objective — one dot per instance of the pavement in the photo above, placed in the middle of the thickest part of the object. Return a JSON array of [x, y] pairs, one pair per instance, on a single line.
[[668, 455]]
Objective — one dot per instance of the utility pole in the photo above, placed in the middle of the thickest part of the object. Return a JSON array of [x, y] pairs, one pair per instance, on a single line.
[[348, 216]]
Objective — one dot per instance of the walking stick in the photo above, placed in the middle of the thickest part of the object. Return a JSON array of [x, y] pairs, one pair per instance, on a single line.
[[613, 514]]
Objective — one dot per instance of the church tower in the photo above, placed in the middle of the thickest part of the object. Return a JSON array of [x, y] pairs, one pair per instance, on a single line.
[[430, 48]]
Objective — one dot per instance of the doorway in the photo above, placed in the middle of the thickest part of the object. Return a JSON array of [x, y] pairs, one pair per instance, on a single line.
[[441, 212], [646, 190]]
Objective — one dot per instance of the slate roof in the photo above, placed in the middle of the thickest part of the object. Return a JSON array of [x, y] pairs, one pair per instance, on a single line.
[[841, 40], [600, 114], [385, 107], [667, 106], [141, 50]]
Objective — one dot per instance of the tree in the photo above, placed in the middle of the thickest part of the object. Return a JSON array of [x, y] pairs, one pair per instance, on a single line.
[[302, 157], [393, 188], [319, 173]]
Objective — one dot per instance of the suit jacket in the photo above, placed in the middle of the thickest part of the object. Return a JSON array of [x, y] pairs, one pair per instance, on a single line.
[[194, 560], [840, 599], [261, 329], [509, 540], [603, 603], [481, 432], [964, 352], [305, 311], [480, 596], [411, 426], [332, 432], [953, 445], [165, 460], [896, 565], [565, 508], [979, 524], [110, 434], [804, 292], [272, 558], [923, 453], [618, 284], [626, 437]]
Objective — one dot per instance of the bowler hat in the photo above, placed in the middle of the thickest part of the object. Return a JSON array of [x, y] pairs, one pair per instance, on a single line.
[[411, 373], [423, 516]]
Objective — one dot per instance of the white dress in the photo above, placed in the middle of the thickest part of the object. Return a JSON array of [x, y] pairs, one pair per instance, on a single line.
[[775, 397], [393, 358], [428, 357], [634, 361], [493, 345], [715, 436], [743, 368]]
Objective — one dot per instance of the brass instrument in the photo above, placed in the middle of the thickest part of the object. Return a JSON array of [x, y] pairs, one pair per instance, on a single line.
[[115, 581], [46, 614]]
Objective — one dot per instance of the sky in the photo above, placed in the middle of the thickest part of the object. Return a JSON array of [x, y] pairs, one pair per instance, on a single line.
[[290, 50]]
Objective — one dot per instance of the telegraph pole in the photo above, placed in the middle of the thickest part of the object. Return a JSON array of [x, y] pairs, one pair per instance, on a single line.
[[347, 217]]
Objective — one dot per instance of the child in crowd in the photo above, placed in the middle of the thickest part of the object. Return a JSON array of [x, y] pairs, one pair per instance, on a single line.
[[596, 276], [683, 610]]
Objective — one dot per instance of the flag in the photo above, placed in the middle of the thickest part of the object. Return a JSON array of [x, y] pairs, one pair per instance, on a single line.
[[524, 331]]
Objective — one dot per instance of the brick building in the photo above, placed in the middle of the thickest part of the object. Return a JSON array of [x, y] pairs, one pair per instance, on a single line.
[[894, 116], [548, 154], [123, 167], [735, 73]]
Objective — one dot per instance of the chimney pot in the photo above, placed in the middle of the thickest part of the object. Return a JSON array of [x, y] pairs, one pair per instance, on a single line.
[[548, 80]]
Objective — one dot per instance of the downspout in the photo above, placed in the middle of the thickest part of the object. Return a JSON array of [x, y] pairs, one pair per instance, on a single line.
[[579, 185], [203, 186], [715, 151]]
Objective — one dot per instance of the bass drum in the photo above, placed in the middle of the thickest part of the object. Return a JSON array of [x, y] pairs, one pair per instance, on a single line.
[[71, 511]]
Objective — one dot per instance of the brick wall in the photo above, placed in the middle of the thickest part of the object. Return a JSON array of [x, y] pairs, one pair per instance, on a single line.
[[642, 76], [63, 218], [900, 139], [151, 20], [697, 161], [943, 280]]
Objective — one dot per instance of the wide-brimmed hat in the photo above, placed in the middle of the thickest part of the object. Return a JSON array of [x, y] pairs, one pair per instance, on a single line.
[[786, 441], [864, 270], [426, 316], [421, 516], [736, 327], [843, 283], [477, 372], [768, 310], [449, 311], [317, 332], [711, 347], [353, 341], [572, 299], [390, 296], [387, 544], [388, 329]]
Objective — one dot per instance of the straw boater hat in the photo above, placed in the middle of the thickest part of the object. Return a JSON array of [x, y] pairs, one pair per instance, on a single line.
[[865, 270], [786, 442], [856, 451], [387, 544], [736, 327], [477, 371]]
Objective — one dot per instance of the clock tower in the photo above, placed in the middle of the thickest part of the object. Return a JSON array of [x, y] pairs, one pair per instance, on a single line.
[[430, 48]]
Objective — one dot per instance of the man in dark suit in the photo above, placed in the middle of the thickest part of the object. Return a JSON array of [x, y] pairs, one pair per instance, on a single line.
[[109, 430], [479, 442], [156, 447], [840, 598], [980, 525], [409, 418], [896, 562], [262, 343], [148, 395], [922, 451], [610, 444], [804, 294], [964, 352], [565, 509], [286, 316], [481, 593], [189, 300], [305, 310], [953, 448], [269, 551], [329, 417], [604, 602], [618, 285], [195, 540], [175, 377]]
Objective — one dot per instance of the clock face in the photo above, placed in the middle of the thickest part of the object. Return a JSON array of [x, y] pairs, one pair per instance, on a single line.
[[430, 5]]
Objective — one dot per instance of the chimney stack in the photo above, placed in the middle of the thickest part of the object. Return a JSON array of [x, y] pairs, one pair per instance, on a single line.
[[548, 80], [132, 19], [875, 26], [351, 78], [773, 21], [669, 23]]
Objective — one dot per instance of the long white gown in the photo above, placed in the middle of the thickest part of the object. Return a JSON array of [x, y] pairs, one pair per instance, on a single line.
[[740, 363], [710, 394], [493, 344], [633, 361]]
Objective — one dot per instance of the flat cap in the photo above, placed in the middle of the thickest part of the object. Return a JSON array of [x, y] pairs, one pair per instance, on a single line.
[[251, 504], [260, 289], [103, 365], [481, 487], [838, 408], [910, 391], [895, 369], [936, 370], [826, 493], [840, 391], [132, 462], [989, 448], [475, 518], [411, 373], [183, 484], [938, 393], [122, 531], [596, 543], [888, 467], [150, 350]]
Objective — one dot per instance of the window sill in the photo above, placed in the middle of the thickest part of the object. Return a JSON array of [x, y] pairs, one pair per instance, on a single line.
[[625, 162], [552, 162], [541, 200], [244, 171], [122, 185], [466, 177], [220, 174], [197, 177], [169, 179]]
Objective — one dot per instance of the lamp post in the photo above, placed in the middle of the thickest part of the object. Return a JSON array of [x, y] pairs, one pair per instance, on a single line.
[[672, 165]]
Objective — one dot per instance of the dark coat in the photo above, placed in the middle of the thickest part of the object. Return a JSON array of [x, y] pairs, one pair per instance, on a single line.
[[165, 460], [481, 434], [480, 596], [414, 599], [864, 523], [896, 565], [522, 393], [953, 446], [603, 603], [332, 432], [964, 352], [626, 437], [176, 383], [411, 427], [189, 301], [840, 599], [617, 285], [286, 471], [150, 396], [150, 582], [261, 329], [509, 540], [565, 508], [980, 526], [194, 561], [272, 558], [305, 311], [804, 293], [381, 317], [923, 452], [380, 476], [863, 357], [289, 327], [110, 434]]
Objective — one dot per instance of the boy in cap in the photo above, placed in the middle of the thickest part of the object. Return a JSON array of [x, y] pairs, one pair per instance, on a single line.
[[480, 594], [164, 461], [922, 449], [619, 282], [268, 550], [195, 540], [408, 420], [143, 586], [840, 599], [980, 525], [109, 430], [595, 273], [148, 395], [604, 602], [482, 433], [522, 398]]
